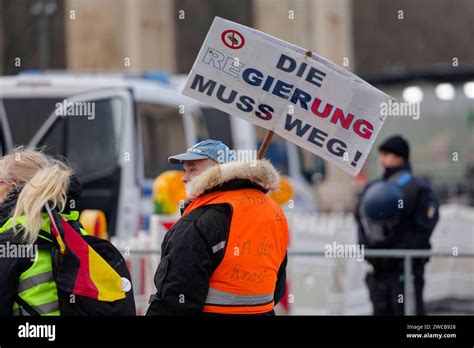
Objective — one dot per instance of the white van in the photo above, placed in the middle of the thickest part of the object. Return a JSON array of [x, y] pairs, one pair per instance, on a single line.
[[118, 135]]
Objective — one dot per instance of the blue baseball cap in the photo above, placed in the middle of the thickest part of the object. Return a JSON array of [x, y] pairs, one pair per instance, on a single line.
[[213, 149]]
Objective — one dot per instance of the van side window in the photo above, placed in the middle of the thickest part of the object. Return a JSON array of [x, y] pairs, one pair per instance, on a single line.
[[162, 134], [313, 167], [218, 124]]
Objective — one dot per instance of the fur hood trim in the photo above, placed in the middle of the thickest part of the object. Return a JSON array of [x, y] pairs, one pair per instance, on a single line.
[[260, 172]]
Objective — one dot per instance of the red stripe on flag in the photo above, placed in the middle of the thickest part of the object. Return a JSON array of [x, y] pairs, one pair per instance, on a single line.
[[84, 285]]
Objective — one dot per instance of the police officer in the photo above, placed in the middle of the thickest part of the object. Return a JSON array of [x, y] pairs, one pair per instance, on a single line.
[[398, 211]]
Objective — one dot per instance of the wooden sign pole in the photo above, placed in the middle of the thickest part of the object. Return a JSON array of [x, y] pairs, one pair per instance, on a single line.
[[264, 146]]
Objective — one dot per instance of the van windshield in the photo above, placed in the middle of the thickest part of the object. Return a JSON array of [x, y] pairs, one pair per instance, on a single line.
[[26, 115], [70, 136]]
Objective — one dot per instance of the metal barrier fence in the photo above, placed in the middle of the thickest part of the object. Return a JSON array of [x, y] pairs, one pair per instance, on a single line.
[[407, 254]]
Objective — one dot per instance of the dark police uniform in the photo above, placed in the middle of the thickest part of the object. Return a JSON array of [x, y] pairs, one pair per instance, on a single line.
[[398, 211]]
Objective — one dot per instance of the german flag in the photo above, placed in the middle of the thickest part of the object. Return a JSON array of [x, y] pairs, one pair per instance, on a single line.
[[82, 271]]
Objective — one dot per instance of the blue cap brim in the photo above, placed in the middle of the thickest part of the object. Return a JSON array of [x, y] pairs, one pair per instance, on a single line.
[[187, 156]]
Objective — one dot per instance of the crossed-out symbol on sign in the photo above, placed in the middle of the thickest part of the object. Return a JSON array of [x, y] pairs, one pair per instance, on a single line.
[[232, 39]]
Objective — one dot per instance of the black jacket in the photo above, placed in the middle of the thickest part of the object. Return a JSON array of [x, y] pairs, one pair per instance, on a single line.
[[414, 229], [188, 261], [12, 267]]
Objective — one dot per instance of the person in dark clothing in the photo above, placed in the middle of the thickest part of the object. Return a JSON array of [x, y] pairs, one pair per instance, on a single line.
[[398, 211], [28, 180], [11, 267], [227, 253]]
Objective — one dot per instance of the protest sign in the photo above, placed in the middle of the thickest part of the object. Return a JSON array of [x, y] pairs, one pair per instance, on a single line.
[[297, 94]]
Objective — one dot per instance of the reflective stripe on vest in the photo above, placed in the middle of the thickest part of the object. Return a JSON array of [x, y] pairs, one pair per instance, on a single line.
[[46, 309], [244, 282], [216, 297], [38, 288], [33, 281]]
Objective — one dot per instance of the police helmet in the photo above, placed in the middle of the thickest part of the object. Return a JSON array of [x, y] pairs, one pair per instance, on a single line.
[[382, 201]]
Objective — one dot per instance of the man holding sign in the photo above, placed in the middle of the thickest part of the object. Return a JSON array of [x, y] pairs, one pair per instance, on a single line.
[[227, 252], [289, 91]]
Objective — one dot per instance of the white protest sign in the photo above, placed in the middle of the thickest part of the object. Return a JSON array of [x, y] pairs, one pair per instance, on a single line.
[[274, 84]]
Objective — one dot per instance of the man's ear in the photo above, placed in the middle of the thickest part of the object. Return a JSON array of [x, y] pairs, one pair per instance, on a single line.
[[14, 184]]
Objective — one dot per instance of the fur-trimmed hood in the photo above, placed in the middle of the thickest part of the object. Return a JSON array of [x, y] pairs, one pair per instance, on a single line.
[[260, 172]]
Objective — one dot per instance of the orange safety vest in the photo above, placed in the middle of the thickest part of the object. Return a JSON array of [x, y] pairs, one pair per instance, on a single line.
[[245, 280]]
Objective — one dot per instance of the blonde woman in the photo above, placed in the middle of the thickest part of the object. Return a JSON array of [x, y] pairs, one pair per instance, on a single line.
[[28, 181]]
